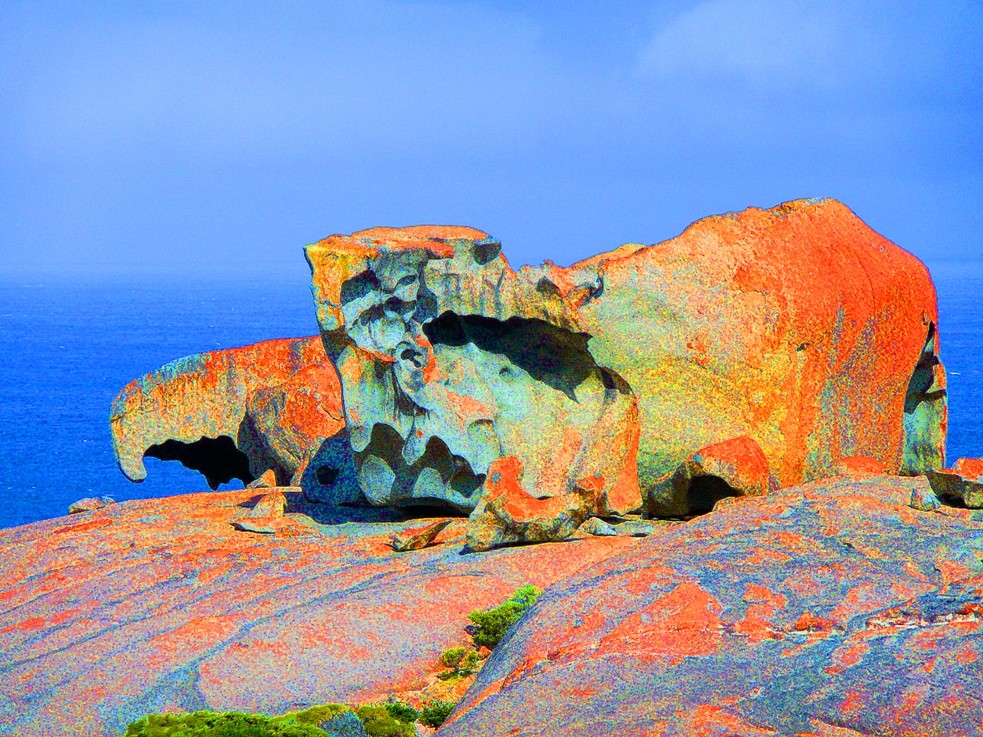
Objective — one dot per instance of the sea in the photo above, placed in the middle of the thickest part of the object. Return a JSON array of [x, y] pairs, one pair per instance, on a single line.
[[68, 347]]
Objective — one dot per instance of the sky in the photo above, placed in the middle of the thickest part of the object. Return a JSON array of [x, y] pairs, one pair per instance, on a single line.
[[213, 140]]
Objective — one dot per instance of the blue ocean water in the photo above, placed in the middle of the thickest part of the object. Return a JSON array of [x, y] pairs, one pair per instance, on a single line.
[[68, 348]]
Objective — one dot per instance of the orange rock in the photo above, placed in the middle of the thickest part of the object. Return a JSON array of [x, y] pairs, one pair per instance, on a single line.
[[860, 466], [797, 327], [231, 414], [734, 467]]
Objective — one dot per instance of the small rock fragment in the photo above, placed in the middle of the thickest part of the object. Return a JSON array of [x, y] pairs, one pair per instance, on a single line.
[[265, 517], [597, 526], [90, 504], [964, 481], [508, 514], [734, 467], [634, 528], [924, 500], [417, 538], [267, 480], [247, 525], [270, 506]]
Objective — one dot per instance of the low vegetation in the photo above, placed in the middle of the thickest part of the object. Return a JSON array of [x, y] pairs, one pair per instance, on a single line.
[[434, 713], [461, 661], [235, 724], [491, 625], [391, 718]]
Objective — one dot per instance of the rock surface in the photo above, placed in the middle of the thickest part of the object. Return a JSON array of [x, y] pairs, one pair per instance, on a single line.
[[160, 604], [231, 414], [827, 609]]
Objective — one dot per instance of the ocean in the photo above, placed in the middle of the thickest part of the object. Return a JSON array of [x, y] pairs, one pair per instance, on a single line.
[[69, 347]]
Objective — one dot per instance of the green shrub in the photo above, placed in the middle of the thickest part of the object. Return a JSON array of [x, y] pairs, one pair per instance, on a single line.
[[494, 623], [228, 724], [379, 722], [469, 663], [401, 711], [436, 712], [452, 656]]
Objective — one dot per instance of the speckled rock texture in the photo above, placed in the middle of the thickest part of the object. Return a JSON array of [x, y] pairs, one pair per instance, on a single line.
[[798, 328], [828, 609], [234, 413], [161, 604], [832, 608]]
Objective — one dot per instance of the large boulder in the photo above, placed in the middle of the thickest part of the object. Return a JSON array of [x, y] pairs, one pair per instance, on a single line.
[[798, 328], [233, 413], [827, 609]]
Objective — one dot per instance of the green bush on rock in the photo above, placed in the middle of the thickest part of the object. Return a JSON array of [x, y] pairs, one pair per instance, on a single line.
[[494, 623], [436, 712], [235, 724], [379, 722]]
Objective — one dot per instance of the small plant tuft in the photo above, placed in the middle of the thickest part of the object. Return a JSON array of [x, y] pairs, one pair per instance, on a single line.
[[436, 712], [401, 711], [378, 722], [452, 656], [494, 623]]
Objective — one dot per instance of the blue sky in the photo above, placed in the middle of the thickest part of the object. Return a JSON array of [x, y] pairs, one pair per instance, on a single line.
[[216, 139]]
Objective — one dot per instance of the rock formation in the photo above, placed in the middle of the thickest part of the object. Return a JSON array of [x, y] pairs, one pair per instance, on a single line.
[[789, 342], [798, 328], [231, 414]]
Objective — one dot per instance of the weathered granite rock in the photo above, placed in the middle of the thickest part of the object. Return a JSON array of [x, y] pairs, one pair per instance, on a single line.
[[417, 538], [233, 413], [924, 500], [596, 526], [507, 514], [90, 504], [964, 481], [832, 603], [266, 480], [860, 466], [449, 360], [735, 467], [797, 327], [266, 517], [827, 609], [160, 604]]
